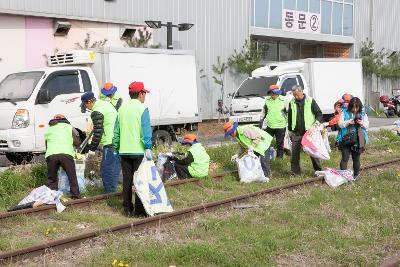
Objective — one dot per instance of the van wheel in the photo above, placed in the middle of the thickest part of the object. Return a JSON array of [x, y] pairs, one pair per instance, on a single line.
[[19, 158], [161, 137]]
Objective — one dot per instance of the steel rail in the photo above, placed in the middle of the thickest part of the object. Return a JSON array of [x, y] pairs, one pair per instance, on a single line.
[[46, 209], [392, 262], [139, 225]]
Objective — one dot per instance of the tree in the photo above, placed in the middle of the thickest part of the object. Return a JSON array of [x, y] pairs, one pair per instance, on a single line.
[[86, 43], [246, 60], [219, 70], [142, 40]]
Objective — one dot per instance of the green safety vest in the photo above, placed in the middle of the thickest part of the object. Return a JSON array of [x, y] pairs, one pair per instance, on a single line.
[[130, 127], [275, 116], [309, 117], [199, 167], [59, 140], [110, 115], [114, 100], [264, 144]]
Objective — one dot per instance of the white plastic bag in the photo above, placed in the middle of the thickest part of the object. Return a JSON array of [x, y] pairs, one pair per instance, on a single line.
[[250, 169], [44, 195], [335, 178], [315, 142], [287, 143], [151, 189], [63, 182]]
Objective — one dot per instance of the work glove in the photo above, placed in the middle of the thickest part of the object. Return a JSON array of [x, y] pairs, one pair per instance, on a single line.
[[148, 154], [169, 154], [325, 124], [234, 157]]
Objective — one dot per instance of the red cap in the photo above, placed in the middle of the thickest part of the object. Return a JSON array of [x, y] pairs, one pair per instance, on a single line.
[[137, 87]]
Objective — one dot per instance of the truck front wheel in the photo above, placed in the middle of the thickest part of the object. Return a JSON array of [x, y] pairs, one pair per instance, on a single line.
[[19, 158], [161, 137]]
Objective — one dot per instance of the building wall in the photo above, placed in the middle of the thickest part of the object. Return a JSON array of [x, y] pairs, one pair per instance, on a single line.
[[12, 45], [220, 27], [39, 41], [378, 21]]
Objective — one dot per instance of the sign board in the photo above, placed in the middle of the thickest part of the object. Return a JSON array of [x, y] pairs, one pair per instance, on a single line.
[[299, 21], [151, 189]]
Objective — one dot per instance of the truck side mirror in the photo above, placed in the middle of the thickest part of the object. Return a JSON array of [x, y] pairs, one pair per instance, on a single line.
[[43, 97]]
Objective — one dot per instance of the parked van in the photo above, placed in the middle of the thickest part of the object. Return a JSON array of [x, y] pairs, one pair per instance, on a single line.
[[29, 99], [326, 80]]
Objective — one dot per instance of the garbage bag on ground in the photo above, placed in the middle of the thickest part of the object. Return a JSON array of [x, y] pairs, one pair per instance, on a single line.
[[335, 178], [250, 170], [315, 142], [151, 190], [63, 182], [44, 195]]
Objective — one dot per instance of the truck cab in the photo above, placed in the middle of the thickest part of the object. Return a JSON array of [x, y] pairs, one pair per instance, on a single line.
[[249, 99], [29, 99]]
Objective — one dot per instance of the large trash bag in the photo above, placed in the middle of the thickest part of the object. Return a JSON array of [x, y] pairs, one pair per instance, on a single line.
[[151, 189], [335, 178], [44, 195], [315, 142], [250, 170], [63, 182]]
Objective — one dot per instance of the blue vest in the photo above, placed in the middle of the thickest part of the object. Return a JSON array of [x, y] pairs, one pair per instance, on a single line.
[[343, 131]]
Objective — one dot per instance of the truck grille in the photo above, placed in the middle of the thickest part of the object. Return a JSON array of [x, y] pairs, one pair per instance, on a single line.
[[247, 111], [3, 144]]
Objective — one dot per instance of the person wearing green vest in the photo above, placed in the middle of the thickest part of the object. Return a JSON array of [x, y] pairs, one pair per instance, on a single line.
[[253, 139], [196, 162], [274, 117], [303, 113], [103, 117], [133, 140], [108, 93], [61, 138]]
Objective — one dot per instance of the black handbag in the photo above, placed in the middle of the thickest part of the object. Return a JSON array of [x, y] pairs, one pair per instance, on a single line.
[[350, 138]]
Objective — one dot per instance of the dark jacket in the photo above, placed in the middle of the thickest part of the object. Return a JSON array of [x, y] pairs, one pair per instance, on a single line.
[[185, 161], [97, 119], [300, 128], [75, 134]]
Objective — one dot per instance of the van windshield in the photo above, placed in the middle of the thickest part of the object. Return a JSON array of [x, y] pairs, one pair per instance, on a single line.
[[19, 86], [254, 87]]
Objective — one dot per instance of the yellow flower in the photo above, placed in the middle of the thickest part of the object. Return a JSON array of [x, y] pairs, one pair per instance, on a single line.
[[121, 264], [114, 262], [126, 265]]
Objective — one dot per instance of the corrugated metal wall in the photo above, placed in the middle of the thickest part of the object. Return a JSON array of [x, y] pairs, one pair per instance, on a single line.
[[220, 27], [381, 26], [378, 21]]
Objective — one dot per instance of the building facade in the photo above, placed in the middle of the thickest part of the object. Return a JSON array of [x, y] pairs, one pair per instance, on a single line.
[[282, 29]]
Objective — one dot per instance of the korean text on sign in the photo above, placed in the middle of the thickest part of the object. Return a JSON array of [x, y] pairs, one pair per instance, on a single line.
[[299, 21]]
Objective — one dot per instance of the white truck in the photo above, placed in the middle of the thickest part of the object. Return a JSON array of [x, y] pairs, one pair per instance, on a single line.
[[29, 99], [326, 80]]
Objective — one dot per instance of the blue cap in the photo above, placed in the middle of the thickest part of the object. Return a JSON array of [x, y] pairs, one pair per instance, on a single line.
[[108, 89], [86, 97]]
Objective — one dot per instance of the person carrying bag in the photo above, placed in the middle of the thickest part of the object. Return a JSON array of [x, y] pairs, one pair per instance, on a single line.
[[353, 136]]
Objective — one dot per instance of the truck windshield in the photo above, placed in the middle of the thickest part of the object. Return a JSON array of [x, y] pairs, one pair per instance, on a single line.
[[19, 86], [254, 87]]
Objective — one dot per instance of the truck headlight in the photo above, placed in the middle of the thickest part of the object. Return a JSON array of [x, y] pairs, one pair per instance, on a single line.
[[21, 119]]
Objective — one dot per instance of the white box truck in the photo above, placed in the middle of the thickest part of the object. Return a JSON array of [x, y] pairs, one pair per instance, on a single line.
[[326, 80], [29, 99]]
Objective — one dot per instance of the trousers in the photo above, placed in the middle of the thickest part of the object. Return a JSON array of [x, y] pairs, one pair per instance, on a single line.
[[346, 152], [296, 150], [279, 135]]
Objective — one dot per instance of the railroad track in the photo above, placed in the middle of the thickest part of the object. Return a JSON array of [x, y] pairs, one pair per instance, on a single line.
[[139, 225], [46, 209]]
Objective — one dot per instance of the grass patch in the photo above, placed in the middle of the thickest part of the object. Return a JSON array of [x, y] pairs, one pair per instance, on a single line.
[[355, 225]]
